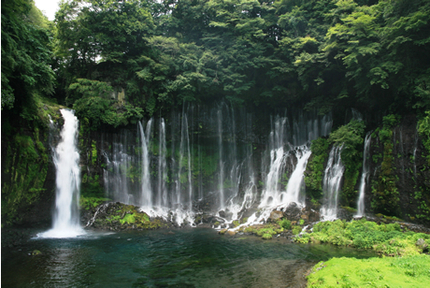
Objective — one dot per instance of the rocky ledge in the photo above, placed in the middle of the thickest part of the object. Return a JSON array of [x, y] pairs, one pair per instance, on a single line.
[[115, 216]]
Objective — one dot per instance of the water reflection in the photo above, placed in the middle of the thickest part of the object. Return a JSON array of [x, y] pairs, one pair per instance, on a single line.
[[179, 258]]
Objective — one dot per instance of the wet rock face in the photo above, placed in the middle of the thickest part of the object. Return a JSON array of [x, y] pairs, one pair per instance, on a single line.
[[408, 166], [293, 212], [275, 215]]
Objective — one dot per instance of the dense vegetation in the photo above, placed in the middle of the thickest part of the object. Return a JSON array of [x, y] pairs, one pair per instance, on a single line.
[[137, 58], [408, 270], [116, 62]]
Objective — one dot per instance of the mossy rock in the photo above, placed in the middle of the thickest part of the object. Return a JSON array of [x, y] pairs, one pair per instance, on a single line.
[[118, 216], [267, 236]]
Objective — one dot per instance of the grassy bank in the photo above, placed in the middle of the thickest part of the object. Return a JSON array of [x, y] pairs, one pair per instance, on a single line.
[[407, 268], [409, 271]]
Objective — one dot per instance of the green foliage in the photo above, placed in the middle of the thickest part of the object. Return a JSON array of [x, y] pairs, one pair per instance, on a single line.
[[89, 203], [315, 167], [409, 271], [285, 223], [267, 236], [24, 170], [25, 55], [387, 239], [127, 216], [94, 103], [90, 186], [296, 230], [386, 194], [350, 137], [424, 130]]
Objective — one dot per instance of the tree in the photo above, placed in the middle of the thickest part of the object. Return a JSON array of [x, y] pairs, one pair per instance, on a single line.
[[25, 55]]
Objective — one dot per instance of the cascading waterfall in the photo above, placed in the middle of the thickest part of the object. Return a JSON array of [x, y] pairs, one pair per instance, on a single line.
[[66, 160], [295, 187], [271, 195], [332, 183], [118, 151], [146, 198], [250, 190], [364, 175], [221, 162], [210, 163], [162, 166]]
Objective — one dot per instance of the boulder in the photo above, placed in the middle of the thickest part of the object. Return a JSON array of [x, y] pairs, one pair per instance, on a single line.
[[292, 212], [275, 216], [421, 243]]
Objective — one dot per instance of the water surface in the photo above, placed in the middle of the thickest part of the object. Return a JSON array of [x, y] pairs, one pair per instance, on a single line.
[[177, 258]]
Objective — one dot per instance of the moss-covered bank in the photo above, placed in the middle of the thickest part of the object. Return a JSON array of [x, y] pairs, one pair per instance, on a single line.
[[402, 272]]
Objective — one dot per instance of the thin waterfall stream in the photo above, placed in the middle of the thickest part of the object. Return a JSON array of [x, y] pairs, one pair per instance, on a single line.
[[364, 175], [332, 183]]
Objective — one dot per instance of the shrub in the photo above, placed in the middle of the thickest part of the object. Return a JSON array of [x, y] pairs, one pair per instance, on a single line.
[[285, 223]]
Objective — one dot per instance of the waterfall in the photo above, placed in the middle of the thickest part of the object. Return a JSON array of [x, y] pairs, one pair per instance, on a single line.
[[221, 163], [162, 166], [210, 161], [295, 187], [118, 151], [146, 198], [66, 160], [332, 183], [271, 195], [364, 175], [415, 154]]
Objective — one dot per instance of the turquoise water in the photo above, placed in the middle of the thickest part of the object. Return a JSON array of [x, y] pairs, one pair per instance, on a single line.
[[177, 258]]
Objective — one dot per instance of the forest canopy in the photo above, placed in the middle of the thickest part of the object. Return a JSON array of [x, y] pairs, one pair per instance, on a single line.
[[137, 58]]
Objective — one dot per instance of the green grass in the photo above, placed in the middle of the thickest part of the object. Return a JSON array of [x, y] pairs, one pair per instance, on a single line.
[[386, 239], [411, 271]]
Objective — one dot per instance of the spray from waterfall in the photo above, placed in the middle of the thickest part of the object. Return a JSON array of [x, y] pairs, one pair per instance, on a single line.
[[66, 160], [364, 175], [332, 183]]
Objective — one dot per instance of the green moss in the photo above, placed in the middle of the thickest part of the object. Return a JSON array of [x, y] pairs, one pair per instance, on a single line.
[[315, 167], [410, 271], [296, 230], [267, 236], [128, 218], [24, 172], [236, 223], [385, 194], [93, 153], [387, 239]]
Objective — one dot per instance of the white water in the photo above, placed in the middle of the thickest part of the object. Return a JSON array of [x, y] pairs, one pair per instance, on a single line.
[[332, 183], [146, 181], [162, 166], [168, 183], [296, 188], [66, 160], [221, 162], [364, 175]]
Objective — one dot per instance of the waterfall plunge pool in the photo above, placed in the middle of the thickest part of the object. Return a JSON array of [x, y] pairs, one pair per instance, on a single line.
[[189, 257]]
